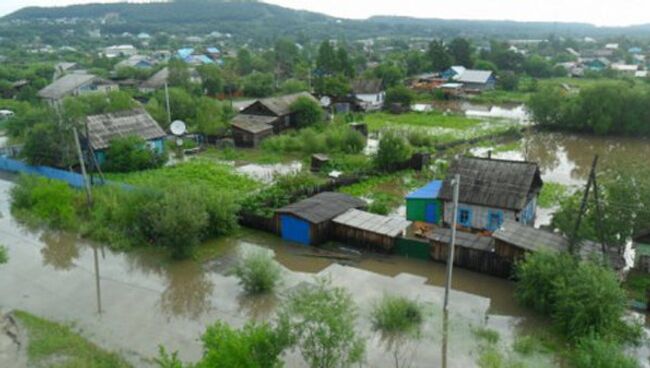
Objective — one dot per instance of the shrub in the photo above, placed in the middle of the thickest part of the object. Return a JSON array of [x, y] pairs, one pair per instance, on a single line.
[[4, 257], [322, 319], [46, 201], [258, 273], [397, 315], [393, 150], [132, 154], [307, 111], [488, 335], [591, 352], [399, 95]]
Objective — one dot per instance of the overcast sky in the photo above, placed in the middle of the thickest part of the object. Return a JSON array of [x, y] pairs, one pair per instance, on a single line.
[[599, 12]]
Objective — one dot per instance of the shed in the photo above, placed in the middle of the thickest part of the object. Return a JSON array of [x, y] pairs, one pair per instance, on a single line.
[[318, 161], [423, 204], [308, 222], [369, 230], [277, 107], [250, 130]]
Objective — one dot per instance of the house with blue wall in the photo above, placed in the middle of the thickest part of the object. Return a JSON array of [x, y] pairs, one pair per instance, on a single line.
[[491, 192], [423, 205], [104, 128]]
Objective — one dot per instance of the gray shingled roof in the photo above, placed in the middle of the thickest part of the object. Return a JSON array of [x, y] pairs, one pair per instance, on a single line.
[[65, 85], [157, 80], [253, 123], [463, 239], [367, 86], [322, 207], [493, 183], [529, 238], [137, 122], [474, 76], [365, 221], [282, 105]]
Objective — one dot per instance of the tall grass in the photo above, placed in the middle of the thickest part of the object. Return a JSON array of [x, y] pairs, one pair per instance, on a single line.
[[257, 271], [396, 315], [338, 138]]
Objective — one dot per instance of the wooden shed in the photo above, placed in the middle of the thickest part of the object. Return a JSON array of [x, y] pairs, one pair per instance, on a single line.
[[278, 109], [423, 204], [250, 130], [309, 221], [368, 230]]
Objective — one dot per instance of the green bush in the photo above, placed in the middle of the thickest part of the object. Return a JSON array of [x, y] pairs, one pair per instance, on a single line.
[[132, 153], [307, 111], [258, 273], [45, 201], [393, 150], [399, 95], [280, 194], [591, 352], [396, 315], [318, 139], [4, 257]]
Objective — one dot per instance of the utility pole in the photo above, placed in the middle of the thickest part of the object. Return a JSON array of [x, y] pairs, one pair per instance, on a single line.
[[583, 207], [599, 213], [452, 245], [89, 198], [169, 110]]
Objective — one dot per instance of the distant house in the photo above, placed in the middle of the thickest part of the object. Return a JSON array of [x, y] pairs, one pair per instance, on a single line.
[[144, 36], [573, 52], [105, 128], [596, 64], [189, 56], [15, 88], [213, 53], [156, 81], [250, 130], [75, 85], [491, 192], [453, 72], [476, 80], [279, 108], [423, 205], [64, 68], [120, 51], [309, 221], [625, 68], [611, 46], [369, 230], [370, 93], [136, 61]]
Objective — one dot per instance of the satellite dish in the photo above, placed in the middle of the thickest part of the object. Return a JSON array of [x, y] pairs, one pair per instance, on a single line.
[[325, 101], [178, 128]]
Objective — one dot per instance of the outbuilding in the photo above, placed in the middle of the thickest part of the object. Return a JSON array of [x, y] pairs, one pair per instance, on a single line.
[[309, 221], [250, 130], [368, 230], [278, 108], [423, 205]]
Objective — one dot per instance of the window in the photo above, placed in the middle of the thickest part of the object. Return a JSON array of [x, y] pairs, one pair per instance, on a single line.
[[495, 219], [464, 217]]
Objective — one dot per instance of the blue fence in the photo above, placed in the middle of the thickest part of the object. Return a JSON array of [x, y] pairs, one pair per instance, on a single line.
[[14, 166]]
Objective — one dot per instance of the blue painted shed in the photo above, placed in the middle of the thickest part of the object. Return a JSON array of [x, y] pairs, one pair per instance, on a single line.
[[308, 222], [423, 204]]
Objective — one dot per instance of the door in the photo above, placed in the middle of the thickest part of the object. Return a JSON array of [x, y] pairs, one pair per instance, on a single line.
[[431, 213], [295, 230]]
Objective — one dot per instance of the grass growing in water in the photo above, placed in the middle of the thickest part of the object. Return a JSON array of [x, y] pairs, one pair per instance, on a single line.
[[4, 258], [396, 315], [377, 121], [486, 334], [257, 271], [51, 342]]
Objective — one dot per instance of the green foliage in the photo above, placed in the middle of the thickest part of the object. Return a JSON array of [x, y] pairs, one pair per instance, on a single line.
[[166, 360], [394, 315], [488, 335], [461, 52], [257, 271], [390, 74], [45, 201], [179, 74], [4, 257], [48, 145], [335, 86], [49, 342], [593, 352], [322, 319], [307, 111], [286, 189], [393, 150], [132, 154], [439, 56], [318, 139], [293, 86], [258, 84], [509, 81], [552, 194], [399, 95], [211, 79]]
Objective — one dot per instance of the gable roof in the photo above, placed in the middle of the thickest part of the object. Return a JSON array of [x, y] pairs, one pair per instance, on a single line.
[[322, 207], [104, 128], [429, 191], [252, 123], [493, 183], [529, 238], [281, 105], [463, 239], [370, 222], [133, 61], [157, 80], [474, 76], [65, 85], [367, 86]]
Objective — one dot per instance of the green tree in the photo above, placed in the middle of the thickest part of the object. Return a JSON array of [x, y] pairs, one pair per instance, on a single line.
[[439, 56], [592, 352], [130, 154], [538, 67], [416, 63], [179, 74], [461, 52], [486, 65], [286, 56], [244, 62], [336, 86], [322, 319], [307, 111], [390, 74], [258, 84], [400, 95], [393, 150], [344, 64], [46, 144], [211, 79], [326, 61], [293, 86], [509, 81], [210, 119], [4, 257]]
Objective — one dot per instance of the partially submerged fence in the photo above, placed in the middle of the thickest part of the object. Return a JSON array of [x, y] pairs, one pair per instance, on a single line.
[[19, 167]]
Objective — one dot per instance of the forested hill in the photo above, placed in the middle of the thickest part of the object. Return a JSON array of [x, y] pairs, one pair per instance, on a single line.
[[260, 21]]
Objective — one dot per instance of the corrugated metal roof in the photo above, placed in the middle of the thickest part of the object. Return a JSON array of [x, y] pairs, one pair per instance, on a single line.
[[429, 191], [474, 76], [463, 239], [382, 225], [322, 207], [529, 238], [493, 183], [65, 85], [137, 122], [157, 80]]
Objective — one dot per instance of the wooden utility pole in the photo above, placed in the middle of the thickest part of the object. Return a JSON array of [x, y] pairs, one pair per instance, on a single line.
[[599, 213], [452, 244], [583, 207], [169, 110], [89, 196]]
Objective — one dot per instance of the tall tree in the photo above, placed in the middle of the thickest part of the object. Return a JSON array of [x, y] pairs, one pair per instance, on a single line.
[[211, 79], [286, 57], [461, 51], [244, 62], [326, 62], [439, 56]]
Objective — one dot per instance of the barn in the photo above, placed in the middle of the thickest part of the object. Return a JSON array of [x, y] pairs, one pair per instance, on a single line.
[[423, 205], [250, 130], [309, 221], [277, 108], [491, 192], [368, 230]]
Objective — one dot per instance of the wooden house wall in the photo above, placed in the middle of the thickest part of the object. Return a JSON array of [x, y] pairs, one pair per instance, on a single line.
[[243, 138], [473, 259], [479, 214], [508, 251], [361, 238]]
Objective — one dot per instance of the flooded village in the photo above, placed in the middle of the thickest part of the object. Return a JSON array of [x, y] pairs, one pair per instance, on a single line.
[[184, 198]]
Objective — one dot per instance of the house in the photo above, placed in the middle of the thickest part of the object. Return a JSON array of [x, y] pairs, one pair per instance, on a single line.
[[368, 230], [15, 88], [64, 68], [144, 36], [491, 192], [423, 205], [120, 51], [250, 130], [476, 80], [136, 61], [453, 72], [309, 221], [104, 128], [596, 64], [641, 74], [611, 46], [370, 93], [279, 108], [213, 53], [189, 56], [635, 50], [626, 69], [75, 85], [573, 52], [156, 81]]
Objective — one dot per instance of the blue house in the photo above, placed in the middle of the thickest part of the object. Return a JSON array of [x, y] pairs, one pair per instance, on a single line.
[[424, 205], [104, 128], [309, 221], [491, 192], [453, 72]]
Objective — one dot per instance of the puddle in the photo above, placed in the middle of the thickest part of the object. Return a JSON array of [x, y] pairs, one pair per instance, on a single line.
[[266, 173]]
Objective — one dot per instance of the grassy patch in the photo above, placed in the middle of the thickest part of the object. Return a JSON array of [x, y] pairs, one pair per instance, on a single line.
[[552, 194], [250, 155], [486, 334], [380, 120], [498, 97], [257, 271], [52, 344], [4, 257], [397, 315], [636, 285]]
